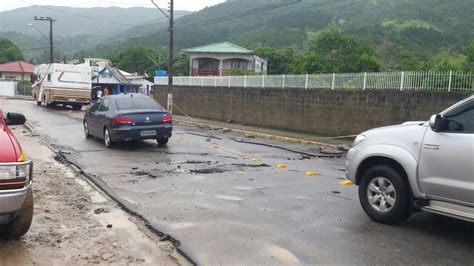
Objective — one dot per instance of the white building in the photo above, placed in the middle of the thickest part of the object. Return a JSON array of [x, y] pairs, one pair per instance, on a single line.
[[221, 59]]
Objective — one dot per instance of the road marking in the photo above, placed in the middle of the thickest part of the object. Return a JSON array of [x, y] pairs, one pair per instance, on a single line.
[[232, 198]]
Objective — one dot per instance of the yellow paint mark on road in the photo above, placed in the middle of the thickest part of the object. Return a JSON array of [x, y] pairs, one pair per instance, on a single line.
[[257, 159], [215, 146], [281, 166], [246, 157], [311, 173], [345, 183]]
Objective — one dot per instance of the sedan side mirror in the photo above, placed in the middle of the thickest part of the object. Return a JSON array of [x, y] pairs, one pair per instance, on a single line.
[[15, 119], [436, 122]]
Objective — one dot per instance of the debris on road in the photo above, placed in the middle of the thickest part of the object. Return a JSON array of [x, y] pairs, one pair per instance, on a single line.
[[67, 228], [345, 183], [344, 147]]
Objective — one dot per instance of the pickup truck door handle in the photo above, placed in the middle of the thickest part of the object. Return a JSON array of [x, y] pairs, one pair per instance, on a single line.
[[428, 146]]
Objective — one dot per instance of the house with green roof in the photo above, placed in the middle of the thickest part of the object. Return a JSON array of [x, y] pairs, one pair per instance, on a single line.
[[221, 59]]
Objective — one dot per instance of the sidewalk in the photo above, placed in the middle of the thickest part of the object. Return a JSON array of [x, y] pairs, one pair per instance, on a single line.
[[74, 223], [254, 131]]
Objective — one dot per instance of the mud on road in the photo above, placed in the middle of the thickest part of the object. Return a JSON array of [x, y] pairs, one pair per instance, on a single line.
[[75, 224]]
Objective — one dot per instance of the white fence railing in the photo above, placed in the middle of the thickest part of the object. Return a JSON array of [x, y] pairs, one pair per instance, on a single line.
[[424, 81]]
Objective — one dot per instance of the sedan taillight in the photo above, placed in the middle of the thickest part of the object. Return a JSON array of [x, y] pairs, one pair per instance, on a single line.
[[122, 120], [167, 118]]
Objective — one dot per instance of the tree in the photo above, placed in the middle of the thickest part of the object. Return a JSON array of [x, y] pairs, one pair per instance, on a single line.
[[279, 59], [341, 53], [139, 59], [470, 57], [9, 51]]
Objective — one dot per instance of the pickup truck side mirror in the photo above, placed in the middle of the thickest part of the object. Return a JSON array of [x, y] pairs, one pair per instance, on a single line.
[[436, 122], [15, 119]]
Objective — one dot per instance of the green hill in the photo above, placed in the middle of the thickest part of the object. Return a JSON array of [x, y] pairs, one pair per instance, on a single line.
[[403, 32]]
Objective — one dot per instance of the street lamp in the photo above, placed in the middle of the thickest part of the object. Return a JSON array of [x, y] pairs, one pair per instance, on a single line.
[[170, 53], [33, 26], [51, 21]]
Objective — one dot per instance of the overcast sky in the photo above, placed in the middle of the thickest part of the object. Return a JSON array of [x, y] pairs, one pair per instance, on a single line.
[[191, 5]]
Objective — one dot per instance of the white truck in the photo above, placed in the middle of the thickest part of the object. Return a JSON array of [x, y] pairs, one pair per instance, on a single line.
[[62, 84], [415, 166]]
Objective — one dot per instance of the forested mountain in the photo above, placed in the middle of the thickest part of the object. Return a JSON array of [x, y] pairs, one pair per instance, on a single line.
[[75, 29], [403, 32]]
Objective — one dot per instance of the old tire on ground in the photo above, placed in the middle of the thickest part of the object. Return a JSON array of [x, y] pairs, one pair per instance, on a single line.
[[20, 226], [384, 195], [162, 141], [107, 139]]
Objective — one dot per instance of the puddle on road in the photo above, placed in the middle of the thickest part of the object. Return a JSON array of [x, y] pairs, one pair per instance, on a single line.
[[283, 255]]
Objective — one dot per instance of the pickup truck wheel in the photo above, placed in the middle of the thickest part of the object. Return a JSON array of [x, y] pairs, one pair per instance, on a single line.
[[384, 195], [22, 222]]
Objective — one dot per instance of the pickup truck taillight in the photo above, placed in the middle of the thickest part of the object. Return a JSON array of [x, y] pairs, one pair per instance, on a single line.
[[15, 175]]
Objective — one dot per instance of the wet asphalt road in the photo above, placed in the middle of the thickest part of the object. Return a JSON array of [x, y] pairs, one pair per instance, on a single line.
[[226, 208]]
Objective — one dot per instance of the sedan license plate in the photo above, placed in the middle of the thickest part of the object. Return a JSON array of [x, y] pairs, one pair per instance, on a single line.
[[147, 133]]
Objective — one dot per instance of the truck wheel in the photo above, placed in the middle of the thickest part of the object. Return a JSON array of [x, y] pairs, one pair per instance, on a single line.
[[77, 107], [384, 195], [22, 222], [38, 103]]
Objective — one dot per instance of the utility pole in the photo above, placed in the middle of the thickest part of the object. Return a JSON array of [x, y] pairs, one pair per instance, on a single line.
[[51, 21], [170, 52]]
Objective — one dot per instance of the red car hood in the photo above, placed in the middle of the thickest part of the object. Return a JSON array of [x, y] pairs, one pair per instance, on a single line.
[[7, 148]]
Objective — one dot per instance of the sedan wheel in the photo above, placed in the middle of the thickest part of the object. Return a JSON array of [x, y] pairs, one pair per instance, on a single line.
[[86, 130], [107, 139], [384, 195]]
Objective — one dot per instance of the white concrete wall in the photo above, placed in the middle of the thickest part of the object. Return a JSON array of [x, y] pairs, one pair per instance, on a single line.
[[15, 76], [7, 88]]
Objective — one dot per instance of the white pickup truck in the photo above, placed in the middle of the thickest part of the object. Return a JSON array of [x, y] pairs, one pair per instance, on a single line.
[[417, 165], [62, 84]]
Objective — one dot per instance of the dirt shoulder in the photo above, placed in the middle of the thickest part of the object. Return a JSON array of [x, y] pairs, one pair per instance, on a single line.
[[75, 224]]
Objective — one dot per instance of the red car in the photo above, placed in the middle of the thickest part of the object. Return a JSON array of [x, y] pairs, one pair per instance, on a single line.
[[16, 195]]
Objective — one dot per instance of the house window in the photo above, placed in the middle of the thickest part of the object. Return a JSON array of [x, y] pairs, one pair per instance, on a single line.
[[10, 77], [239, 64], [1, 75]]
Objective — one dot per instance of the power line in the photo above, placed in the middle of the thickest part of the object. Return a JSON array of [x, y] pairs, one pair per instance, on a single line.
[[239, 15], [78, 15], [32, 49]]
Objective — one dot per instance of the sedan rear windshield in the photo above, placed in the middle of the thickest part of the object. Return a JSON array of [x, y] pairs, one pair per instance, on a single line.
[[137, 104]]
